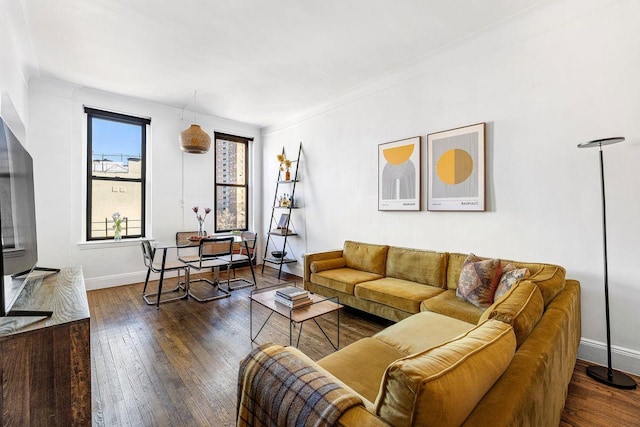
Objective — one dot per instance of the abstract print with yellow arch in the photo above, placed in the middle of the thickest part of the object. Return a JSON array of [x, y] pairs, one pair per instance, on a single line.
[[457, 169], [399, 175]]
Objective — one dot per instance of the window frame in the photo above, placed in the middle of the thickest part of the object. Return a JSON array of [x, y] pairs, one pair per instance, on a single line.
[[216, 185], [126, 119]]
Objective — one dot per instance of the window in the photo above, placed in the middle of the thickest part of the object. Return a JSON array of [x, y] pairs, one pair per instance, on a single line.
[[231, 188], [116, 146]]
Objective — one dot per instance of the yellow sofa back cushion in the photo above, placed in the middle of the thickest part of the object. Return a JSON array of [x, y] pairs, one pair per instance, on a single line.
[[521, 307], [548, 277], [442, 385], [365, 256], [420, 266]]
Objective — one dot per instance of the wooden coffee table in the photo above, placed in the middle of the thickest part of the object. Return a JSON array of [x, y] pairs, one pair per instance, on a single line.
[[320, 306]]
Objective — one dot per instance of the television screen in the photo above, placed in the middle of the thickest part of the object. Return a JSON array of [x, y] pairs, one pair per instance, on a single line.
[[17, 217]]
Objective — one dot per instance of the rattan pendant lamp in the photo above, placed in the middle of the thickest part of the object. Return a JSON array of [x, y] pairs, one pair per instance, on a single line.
[[607, 375], [194, 139]]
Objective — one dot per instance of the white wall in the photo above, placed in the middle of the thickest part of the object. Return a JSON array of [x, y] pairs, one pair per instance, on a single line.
[[13, 86], [560, 74], [177, 181]]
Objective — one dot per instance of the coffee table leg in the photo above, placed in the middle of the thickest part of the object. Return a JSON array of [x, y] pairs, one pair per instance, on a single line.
[[253, 338]]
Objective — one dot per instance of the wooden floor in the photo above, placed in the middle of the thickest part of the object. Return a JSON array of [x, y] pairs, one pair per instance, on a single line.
[[177, 366]]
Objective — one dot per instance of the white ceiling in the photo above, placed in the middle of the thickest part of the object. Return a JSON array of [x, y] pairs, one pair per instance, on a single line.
[[256, 61]]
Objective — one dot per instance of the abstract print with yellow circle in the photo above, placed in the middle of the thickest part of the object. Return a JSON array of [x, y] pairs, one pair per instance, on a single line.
[[454, 160], [399, 173]]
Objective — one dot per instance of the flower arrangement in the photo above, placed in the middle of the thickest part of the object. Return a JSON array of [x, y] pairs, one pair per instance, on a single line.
[[117, 225], [285, 164], [200, 219]]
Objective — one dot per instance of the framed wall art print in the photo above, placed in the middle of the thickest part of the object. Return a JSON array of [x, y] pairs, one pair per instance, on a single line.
[[457, 169], [400, 175]]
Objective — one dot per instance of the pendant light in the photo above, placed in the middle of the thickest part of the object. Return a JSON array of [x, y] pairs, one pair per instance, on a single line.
[[194, 139]]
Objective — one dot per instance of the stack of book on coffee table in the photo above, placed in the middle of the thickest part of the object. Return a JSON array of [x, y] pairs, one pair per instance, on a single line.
[[293, 297]]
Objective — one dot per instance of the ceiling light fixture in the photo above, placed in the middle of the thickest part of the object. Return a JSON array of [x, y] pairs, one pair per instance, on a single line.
[[194, 139]]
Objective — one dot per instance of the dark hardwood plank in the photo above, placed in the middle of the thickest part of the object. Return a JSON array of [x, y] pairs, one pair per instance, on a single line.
[[590, 403], [178, 365]]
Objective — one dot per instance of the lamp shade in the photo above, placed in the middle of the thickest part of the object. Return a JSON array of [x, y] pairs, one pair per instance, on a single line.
[[194, 140]]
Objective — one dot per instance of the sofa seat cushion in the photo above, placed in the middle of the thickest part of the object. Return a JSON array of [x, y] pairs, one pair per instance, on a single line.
[[342, 279], [449, 304], [422, 331], [365, 257], [361, 365], [414, 265], [521, 307], [441, 386], [396, 293]]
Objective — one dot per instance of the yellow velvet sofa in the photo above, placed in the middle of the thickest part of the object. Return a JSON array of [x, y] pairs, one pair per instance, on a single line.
[[446, 361]]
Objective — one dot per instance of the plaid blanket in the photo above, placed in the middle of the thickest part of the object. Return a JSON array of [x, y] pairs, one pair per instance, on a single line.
[[278, 388]]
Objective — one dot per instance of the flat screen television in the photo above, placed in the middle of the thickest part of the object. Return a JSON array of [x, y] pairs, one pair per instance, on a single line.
[[17, 220]]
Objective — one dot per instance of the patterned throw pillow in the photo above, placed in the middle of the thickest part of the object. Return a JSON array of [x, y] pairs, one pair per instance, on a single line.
[[509, 277], [478, 280]]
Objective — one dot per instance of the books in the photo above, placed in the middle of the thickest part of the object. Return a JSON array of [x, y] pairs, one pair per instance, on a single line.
[[300, 302], [292, 293]]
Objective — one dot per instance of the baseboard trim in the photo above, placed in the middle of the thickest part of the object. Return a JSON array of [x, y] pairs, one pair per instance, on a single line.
[[622, 359], [114, 280]]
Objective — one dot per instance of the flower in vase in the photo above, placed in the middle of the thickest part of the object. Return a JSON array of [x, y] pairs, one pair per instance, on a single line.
[[285, 163], [201, 219], [117, 221]]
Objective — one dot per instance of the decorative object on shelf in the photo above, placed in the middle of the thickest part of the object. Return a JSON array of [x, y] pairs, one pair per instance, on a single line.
[[201, 219], [279, 254], [457, 169], [194, 139], [117, 226], [400, 175], [285, 165], [283, 222], [607, 375], [285, 201]]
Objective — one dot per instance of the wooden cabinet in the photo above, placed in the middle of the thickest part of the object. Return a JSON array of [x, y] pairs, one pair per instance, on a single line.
[[45, 363]]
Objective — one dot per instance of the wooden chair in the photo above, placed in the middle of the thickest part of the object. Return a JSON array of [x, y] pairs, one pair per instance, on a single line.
[[148, 253], [211, 254]]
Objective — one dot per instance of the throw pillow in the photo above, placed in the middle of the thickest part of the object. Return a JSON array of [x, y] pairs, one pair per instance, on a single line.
[[478, 280], [508, 279]]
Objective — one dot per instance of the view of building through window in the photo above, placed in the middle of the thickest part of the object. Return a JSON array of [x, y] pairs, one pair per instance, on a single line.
[[231, 189], [116, 180]]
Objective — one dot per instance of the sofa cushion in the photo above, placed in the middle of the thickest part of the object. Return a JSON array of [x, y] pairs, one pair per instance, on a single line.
[[420, 266], [510, 276], [342, 279], [422, 331], [550, 278], [327, 264], [448, 304], [454, 265], [478, 280], [396, 293], [442, 385], [355, 366], [521, 307], [365, 257]]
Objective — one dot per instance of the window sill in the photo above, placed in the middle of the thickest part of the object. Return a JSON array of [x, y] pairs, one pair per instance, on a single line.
[[102, 244]]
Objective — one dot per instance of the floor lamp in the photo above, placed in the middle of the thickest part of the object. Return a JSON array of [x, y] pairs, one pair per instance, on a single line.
[[607, 375]]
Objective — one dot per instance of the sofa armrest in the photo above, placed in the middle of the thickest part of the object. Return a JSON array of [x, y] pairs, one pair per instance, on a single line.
[[307, 393], [318, 256], [358, 416]]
